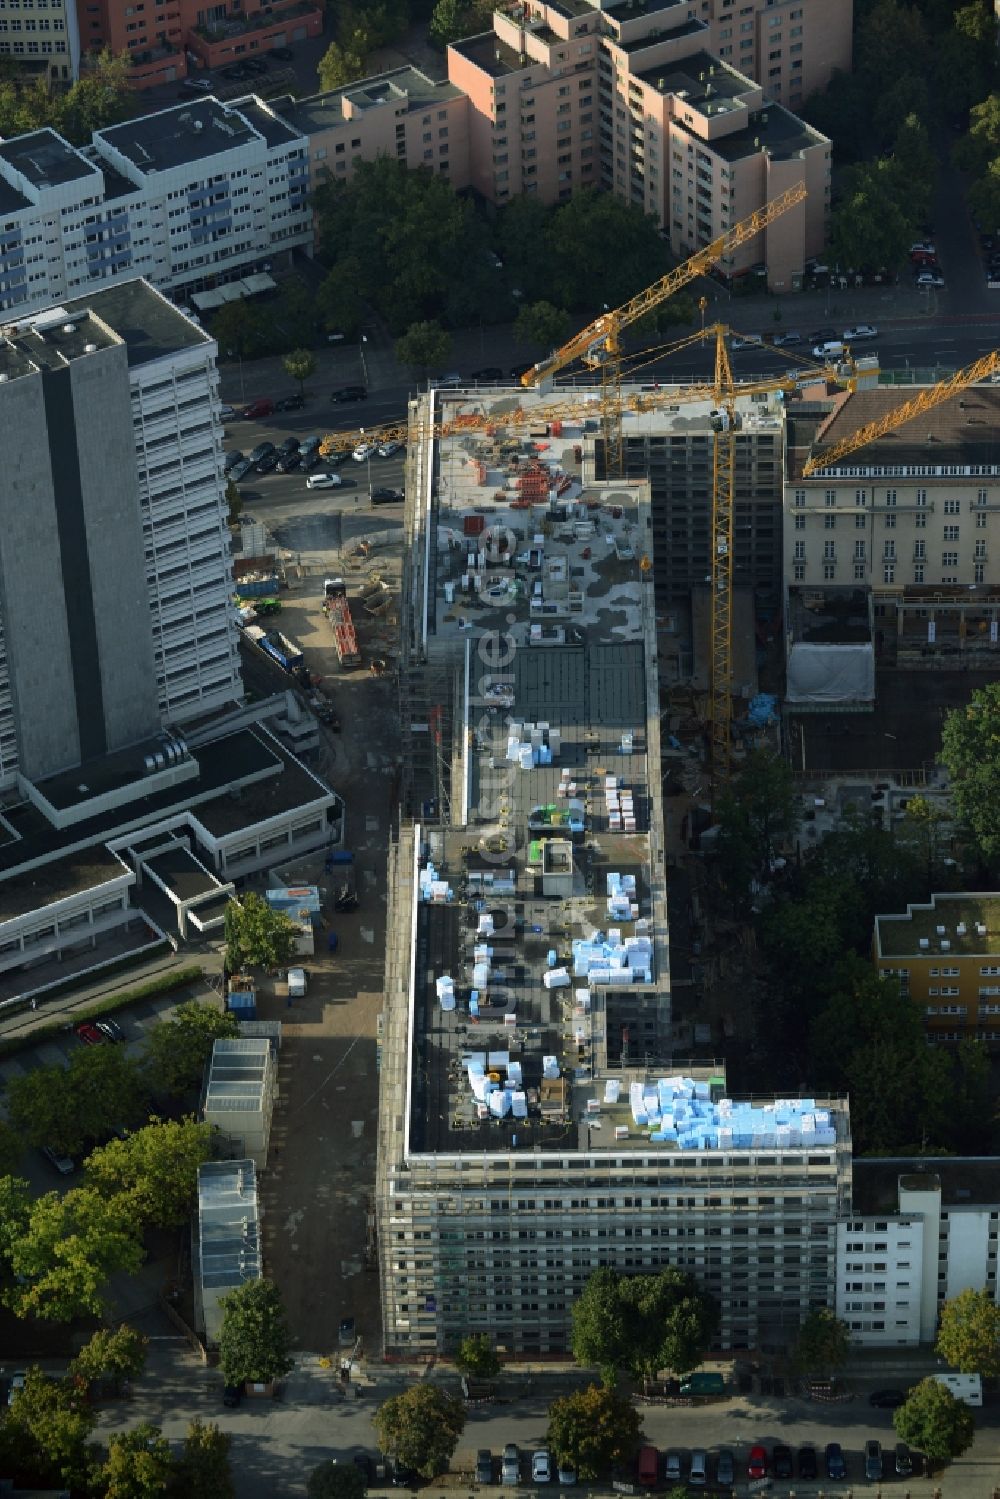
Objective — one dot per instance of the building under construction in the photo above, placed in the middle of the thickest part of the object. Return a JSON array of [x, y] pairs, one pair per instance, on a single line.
[[535, 1122]]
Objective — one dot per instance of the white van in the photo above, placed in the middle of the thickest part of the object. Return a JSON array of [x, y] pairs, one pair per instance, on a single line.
[[832, 350], [698, 1476], [965, 1387]]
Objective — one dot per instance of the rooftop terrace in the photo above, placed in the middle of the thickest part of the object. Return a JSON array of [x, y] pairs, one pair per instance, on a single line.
[[968, 924]]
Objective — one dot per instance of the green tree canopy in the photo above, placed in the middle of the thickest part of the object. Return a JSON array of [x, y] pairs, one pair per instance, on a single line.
[[117, 1354], [69, 1107], [454, 19], [256, 935], [423, 347], [177, 1049], [241, 330], [202, 1470], [300, 365], [969, 1333], [970, 748], [758, 812], [934, 1422], [46, 1429], [11, 1149], [477, 1357], [870, 226], [541, 323], [15, 1213], [342, 63], [823, 1343], [333, 1480], [255, 1341], [592, 1429], [601, 251], [642, 1323], [70, 1248], [420, 1428], [155, 1168], [337, 301], [138, 1465]]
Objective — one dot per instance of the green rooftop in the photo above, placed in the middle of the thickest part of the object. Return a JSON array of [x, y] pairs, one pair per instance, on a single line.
[[970, 924]]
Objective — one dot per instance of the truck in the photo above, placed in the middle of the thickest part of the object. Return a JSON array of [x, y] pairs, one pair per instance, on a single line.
[[281, 649], [703, 1384], [338, 612], [296, 983]]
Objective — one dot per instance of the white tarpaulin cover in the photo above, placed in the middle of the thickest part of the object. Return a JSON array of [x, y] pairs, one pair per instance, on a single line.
[[831, 674]]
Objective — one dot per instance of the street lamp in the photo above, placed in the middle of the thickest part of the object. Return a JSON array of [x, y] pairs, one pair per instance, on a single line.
[[361, 352], [368, 460]]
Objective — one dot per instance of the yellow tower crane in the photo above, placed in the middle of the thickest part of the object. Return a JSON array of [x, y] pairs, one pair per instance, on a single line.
[[599, 344], [925, 401]]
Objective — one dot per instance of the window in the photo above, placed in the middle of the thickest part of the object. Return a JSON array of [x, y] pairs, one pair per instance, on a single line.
[[800, 551], [859, 572], [890, 497], [830, 497], [979, 572], [951, 507], [829, 522], [860, 496], [829, 571], [949, 559], [800, 497], [888, 572], [829, 550], [919, 550], [921, 497], [951, 533], [860, 523], [859, 551], [980, 523], [798, 571], [920, 522], [889, 551], [800, 523], [890, 521]]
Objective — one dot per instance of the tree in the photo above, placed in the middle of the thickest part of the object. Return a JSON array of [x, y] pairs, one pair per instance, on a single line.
[[643, 1323], [451, 20], [16, 1199], [477, 1357], [256, 935], [969, 1333], [254, 1342], [934, 1422], [337, 300], [67, 1107], [71, 1247], [601, 251], [118, 1355], [593, 1429], [333, 1480], [341, 65], [234, 501], [869, 225], [177, 1049], [541, 323], [758, 813], [101, 96], [11, 1149], [420, 1428], [138, 1464], [970, 748], [155, 1169], [202, 1470], [300, 364], [823, 1343], [241, 331], [424, 346], [47, 1426]]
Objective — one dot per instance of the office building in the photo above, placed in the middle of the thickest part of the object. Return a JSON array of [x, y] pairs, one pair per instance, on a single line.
[[171, 39], [893, 550], [135, 784], [537, 1119], [42, 37], [946, 957], [197, 193]]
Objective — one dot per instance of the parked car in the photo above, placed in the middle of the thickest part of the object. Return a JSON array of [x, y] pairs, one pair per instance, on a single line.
[[566, 1476], [61, 1163], [241, 470], [289, 445], [254, 410], [236, 72], [88, 1033], [386, 449], [541, 1467], [387, 496], [268, 463], [488, 373], [510, 1466], [232, 1394], [310, 444], [673, 1466], [903, 1460], [785, 340], [807, 1463], [200, 85], [402, 1476], [445, 382], [232, 459], [289, 403], [17, 1383], [781, 1460], [923, 247], [346, 1332], [349, 393], [757, 1463], [110, 1029], [823, 335], [282, 54], [365, 1466], [227, 412], [484, 1465], [365, 450], [324, 481], [836, 1467], [746, 341], [930, 278], [887, 1400], [860, 331], [725, 1469], [873, 1461], [289, 462], [261, 451], [698, 1476]]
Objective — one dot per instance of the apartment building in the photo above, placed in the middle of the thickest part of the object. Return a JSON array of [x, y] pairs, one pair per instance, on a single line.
[[195, 193], [909, 524], [535, 1118], [42, 36], [946, 956], [645, 103], [402, 114], [168, 39], [921, 1231]]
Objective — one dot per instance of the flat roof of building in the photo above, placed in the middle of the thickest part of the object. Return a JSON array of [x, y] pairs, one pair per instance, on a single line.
[[44, 159], [968, 923], [630, 10], [492, 55], [771, 129], [400, 85], [180, 135], [150, 326], [964, 1181], [275, 130], [78, 870], [183, 874], [699, 80], [688, 26], [228, 1224], [962, 429], [50, 340]]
